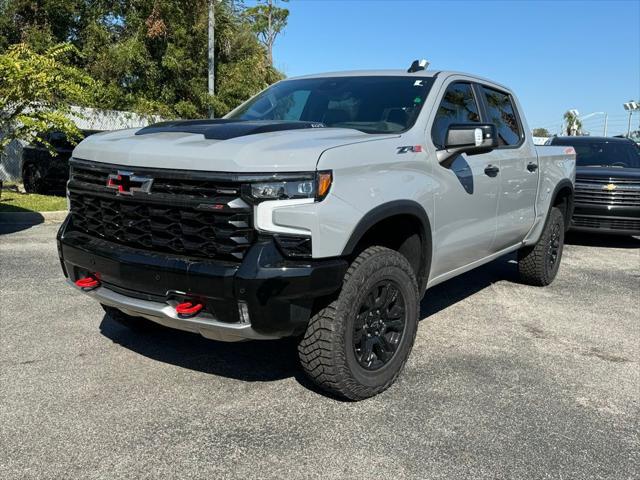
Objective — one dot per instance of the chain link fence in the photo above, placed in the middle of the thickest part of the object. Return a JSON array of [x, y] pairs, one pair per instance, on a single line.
[[85, 119]]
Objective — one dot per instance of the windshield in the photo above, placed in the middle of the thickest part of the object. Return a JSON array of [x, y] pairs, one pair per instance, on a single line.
[[604, 154], [369, 104]]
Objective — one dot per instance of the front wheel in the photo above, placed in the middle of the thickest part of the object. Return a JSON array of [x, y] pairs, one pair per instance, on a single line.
[[32, 179], [538, 264], [357, 346]]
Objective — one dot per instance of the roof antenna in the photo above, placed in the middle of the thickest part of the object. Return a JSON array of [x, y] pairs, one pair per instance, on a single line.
[[418, 65]]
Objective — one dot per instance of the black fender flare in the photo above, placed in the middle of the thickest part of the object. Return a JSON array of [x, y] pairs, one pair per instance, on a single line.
[[391, 209], [564, 183]]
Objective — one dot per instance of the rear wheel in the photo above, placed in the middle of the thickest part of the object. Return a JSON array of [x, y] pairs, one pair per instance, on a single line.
[[137, 324], [357, 346], [538, 264]]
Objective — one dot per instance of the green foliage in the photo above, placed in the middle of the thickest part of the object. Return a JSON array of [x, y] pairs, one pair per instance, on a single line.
[[36, 92], [541, 132], [148, 56], [573, 123], [267, 21]]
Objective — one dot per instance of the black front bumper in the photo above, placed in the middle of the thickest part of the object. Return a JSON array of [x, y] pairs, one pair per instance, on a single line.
[[278, 292], [609, 219]]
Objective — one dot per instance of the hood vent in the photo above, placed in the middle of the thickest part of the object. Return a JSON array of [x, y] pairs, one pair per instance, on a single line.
[[224, 129]]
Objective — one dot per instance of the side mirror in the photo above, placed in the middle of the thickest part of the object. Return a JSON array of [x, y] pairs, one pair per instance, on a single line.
[[469, 138]]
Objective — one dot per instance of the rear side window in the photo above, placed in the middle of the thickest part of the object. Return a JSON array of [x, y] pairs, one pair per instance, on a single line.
[[502, 113], [457, 106], [59, 141]]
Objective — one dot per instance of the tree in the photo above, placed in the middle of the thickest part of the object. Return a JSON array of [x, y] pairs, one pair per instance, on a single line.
[[267, 21], [541, 132], [573, 122], [148, 56], [37, 92]]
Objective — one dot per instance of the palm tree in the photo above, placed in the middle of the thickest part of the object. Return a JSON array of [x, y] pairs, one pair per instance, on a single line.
[[574, 125]]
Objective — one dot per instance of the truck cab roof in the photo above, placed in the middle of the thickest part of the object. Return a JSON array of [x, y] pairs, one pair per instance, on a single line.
[[396, 73]]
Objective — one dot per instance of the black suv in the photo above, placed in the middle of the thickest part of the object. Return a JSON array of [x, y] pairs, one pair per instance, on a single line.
[[607, 192], [43, 172]]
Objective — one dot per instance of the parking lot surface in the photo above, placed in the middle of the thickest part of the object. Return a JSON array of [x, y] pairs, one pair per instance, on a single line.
[[505, 381]]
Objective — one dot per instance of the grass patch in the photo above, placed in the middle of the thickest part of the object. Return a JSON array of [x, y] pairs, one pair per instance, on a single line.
[[30, 202]]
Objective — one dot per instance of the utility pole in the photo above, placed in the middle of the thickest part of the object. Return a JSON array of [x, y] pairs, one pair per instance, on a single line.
[[211, 52], [606, 118]]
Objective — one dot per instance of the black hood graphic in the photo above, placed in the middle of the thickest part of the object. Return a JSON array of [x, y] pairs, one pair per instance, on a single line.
[[224, 129]]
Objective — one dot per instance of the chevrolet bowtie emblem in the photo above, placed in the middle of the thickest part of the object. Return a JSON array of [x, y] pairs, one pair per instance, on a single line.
[[609, 187], [125, 183]]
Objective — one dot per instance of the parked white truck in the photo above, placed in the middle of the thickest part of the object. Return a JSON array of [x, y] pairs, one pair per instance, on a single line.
[[322, 208]]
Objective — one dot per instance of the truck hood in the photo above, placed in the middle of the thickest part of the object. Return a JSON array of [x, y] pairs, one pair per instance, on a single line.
[[280, 151], [607, 173]]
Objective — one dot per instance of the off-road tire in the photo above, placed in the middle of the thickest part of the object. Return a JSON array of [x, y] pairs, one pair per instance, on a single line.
[[535, 262], [327, 352], [136, 324]]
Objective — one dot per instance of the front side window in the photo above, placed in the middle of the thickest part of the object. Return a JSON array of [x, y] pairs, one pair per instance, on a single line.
[[457, 106], [385, 104], [502, 113]]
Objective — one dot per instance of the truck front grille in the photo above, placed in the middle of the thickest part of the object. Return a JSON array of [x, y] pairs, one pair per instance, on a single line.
[[188, 217], [613, 191], [606, 223]]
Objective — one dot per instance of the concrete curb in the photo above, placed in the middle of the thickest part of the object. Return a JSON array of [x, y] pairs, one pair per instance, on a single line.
[[32, 218]]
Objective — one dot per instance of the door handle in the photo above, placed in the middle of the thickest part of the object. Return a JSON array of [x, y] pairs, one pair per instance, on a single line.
[[491, 170], [532, 167]]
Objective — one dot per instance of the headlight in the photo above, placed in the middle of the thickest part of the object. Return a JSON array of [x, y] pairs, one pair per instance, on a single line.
[[280, 190], [315, 185]]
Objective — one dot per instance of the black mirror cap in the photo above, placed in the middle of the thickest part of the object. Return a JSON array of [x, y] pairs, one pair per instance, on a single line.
[[469, 138]]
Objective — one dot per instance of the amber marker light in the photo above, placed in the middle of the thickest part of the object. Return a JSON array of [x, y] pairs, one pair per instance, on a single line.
[[324, 184]]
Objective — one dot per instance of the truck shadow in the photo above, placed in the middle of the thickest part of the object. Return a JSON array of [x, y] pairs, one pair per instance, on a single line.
[[266, 361], [463, 286], [6, 228], [253, 361]]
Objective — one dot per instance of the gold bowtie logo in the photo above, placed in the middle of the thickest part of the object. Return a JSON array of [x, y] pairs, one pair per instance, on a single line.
[[610, 187]]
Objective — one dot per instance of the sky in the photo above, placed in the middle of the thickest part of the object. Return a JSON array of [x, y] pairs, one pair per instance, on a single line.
[[556, 55]]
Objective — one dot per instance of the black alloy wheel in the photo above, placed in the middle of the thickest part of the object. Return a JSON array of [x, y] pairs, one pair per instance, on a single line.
[[356, 346], [538, 264], [554, 246], [379, 325]]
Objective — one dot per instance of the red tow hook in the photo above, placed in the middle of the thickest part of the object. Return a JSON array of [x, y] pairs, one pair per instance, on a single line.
[[87, 283], [188, 309]]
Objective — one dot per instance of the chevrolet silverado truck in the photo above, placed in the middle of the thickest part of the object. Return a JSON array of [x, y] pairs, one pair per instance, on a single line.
[[323, 208], [607, 196]]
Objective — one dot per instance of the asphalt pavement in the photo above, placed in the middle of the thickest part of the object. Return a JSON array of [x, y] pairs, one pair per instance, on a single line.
[[505, 381]]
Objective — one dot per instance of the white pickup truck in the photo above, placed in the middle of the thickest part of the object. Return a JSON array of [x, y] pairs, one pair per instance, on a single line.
[[323, 208]]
